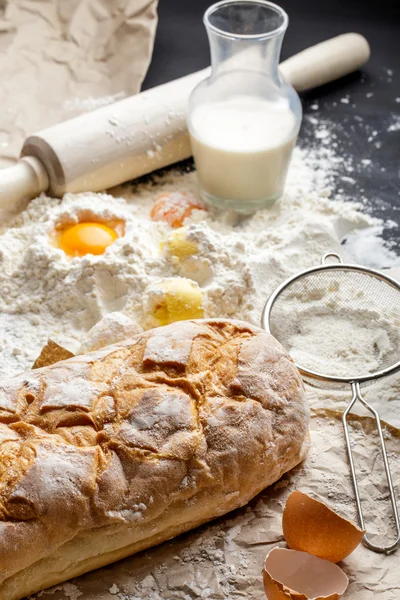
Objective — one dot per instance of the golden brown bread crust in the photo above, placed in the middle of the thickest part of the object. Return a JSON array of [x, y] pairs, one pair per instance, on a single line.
[[108, 453]]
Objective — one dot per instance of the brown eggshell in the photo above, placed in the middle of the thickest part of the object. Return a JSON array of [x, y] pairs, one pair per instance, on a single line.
[[293, 575], [311, 526]]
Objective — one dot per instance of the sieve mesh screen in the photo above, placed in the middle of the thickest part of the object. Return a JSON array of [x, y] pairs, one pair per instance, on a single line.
[[339, 322]]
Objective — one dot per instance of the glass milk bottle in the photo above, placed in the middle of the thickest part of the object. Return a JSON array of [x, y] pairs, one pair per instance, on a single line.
[[244, 119]]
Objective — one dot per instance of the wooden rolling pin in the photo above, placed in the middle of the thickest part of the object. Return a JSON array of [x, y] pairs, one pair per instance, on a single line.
[[142, 133]]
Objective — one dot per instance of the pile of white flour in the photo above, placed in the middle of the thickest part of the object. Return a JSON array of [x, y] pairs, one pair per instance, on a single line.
[[238, 263]]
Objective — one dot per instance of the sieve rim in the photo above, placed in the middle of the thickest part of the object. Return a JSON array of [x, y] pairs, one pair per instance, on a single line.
[[269, 304]]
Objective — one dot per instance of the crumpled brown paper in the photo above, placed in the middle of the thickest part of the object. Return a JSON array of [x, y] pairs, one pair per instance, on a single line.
[[60, 58], [223, 560]]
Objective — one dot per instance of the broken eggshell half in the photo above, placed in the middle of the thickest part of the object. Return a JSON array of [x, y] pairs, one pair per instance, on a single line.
[[294, 575], [311, 526]]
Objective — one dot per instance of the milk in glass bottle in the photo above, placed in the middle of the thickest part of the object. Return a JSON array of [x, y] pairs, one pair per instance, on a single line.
[[244, 119]]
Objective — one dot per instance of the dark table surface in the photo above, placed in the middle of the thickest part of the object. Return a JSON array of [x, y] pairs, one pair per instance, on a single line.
[[365, 126]]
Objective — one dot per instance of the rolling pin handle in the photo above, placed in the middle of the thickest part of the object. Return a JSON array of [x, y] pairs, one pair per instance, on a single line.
[[24, 180], [326, 61]]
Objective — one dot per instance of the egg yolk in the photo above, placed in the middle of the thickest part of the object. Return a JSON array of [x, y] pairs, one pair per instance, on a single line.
[[176, 299], [174, 207], [86, 238]]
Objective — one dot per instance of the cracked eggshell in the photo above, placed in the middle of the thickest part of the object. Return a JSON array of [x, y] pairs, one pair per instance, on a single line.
[[294, 575], [311, 526]]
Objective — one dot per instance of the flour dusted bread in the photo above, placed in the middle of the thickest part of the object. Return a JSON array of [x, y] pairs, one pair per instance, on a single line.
[[111, 452]]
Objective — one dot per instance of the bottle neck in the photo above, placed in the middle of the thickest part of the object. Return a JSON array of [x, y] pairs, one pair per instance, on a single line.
[[255, 55]]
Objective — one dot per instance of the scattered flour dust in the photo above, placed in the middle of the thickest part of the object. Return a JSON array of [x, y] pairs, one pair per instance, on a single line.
[[395, 124], [237, 264], [70, 591]]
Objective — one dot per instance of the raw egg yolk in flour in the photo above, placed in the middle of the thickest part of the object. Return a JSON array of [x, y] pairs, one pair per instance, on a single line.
[[175, 207], [86, 238]]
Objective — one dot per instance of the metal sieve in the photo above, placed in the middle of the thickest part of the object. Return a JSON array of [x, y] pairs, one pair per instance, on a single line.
[[335, 305]]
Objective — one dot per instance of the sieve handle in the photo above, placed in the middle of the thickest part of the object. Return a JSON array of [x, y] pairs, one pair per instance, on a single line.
[[355, 386], [324, 260]]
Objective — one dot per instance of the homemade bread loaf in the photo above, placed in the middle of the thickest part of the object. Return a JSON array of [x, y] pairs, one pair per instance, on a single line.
[[108, 453]]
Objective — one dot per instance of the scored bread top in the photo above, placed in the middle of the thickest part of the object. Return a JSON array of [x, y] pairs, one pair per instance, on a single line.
[[194, 410]]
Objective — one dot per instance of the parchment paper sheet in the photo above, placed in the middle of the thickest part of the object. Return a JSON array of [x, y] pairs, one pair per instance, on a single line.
[[59, 58]]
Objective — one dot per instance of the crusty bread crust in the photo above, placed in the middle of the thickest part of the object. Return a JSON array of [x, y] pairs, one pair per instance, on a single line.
[[109, 453]]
